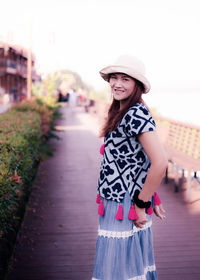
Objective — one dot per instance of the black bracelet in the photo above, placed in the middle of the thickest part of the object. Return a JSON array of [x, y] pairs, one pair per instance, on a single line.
[[140, 203]]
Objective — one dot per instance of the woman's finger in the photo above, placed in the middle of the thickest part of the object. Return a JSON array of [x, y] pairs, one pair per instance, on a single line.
[[161, 208], [139, 223], [157, 212]]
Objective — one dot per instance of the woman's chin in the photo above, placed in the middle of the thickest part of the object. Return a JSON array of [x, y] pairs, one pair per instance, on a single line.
[[118, 98]]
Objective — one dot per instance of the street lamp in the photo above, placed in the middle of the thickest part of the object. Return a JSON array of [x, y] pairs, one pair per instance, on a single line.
[[29, 64]]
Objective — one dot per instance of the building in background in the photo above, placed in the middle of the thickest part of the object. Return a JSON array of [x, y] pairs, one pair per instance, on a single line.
[[13, 73]]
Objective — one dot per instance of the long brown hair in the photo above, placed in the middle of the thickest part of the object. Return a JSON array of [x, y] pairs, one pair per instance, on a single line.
[[115, 114]]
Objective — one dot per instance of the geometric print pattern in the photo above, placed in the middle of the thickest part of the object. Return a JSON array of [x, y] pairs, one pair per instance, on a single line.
[[125, 164]]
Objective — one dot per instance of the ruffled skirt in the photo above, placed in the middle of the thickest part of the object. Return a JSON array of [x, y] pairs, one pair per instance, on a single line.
[[123, 251]]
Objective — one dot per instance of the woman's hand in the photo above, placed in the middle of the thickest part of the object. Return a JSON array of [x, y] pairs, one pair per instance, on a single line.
[[141, 221], [158, 210]]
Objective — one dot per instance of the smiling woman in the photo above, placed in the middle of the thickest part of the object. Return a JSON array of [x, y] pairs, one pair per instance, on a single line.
[[131, 170]]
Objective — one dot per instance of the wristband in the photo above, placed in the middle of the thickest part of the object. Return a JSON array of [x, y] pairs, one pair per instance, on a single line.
[[140, 203]]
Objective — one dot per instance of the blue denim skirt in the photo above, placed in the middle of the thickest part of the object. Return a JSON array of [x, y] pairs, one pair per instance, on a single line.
[[123, 251]]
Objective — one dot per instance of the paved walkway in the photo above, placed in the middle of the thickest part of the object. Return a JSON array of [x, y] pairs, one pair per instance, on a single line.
[[58, 237], [4, 108]]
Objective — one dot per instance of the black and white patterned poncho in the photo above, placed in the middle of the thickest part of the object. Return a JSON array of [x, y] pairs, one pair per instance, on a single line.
[[125, 163]]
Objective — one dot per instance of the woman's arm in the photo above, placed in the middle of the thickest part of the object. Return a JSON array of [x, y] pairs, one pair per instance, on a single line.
[[157, 156]]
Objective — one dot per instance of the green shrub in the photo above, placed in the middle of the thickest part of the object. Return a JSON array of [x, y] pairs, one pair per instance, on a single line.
[[19, 148], [22, 130]]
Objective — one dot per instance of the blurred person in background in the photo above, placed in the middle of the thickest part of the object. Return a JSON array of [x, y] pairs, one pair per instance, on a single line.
[[72, 99]]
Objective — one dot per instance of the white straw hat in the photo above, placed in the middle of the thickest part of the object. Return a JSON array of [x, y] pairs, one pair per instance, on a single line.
[[129, 65]]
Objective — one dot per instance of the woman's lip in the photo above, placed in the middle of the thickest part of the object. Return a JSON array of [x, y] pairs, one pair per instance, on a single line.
[[118, 90]]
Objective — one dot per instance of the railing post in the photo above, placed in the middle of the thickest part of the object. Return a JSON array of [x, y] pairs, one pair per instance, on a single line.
[[189, 186], [176, 177], [166, 176]]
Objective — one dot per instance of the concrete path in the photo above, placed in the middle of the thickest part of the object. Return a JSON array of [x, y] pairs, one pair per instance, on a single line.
[[58, 237], [4, 108]]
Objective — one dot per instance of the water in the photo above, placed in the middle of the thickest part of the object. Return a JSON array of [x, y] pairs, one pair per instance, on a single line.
[[177, 104]]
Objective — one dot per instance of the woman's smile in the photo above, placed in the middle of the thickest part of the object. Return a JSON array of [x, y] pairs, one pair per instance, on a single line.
[[118, 91]]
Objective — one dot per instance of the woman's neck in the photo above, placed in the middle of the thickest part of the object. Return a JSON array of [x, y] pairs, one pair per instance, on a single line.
[[122, 104]]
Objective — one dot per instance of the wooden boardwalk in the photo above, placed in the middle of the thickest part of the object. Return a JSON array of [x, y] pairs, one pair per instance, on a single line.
[[58, 237]]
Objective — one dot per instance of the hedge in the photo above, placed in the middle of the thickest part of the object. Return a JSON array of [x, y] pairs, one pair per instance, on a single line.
[[23, 130]]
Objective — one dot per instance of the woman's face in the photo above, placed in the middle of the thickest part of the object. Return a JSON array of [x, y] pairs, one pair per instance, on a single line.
[[122, 86]]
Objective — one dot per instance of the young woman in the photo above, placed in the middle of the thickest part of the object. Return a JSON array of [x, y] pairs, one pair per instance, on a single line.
[[132, 168]]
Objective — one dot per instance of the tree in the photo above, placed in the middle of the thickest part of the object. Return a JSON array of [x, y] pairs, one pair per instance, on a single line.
[[63, 80]]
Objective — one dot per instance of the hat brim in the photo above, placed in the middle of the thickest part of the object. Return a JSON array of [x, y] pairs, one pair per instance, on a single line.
[[105, 74]]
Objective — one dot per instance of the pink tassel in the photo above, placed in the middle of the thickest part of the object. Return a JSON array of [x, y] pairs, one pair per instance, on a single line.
[[149, 210], [156, 199], [132, 215], [102, 149], [101, 208], [98, 198], [119, 215]]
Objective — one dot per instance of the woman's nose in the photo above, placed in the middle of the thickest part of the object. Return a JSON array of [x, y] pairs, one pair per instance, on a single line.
[[117, 83]]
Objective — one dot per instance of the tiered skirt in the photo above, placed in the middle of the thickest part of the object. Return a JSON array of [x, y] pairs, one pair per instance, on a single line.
[[123, 251]]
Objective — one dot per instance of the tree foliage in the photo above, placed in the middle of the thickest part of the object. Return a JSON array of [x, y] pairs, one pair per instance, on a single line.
[[63, 80]]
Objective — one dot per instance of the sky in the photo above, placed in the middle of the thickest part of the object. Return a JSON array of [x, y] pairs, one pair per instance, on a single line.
[[86, 35]]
